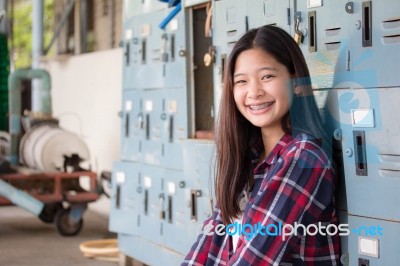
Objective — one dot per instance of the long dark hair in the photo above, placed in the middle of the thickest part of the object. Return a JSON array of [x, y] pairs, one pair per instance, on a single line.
[[235, 136]]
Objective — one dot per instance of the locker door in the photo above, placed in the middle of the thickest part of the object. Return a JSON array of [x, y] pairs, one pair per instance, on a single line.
[[132, 124], [153, 203], [135, 7], [199, 159], [229, 24], [375, 42], [129, 51], [270, 12], [149, 74], [371, 142], [326, 42], [174, 118], [175, 51], [125, 200], [151, 145], [177, 212]]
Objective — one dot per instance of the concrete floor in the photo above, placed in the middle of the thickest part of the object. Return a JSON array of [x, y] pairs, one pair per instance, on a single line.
[[26, 241]]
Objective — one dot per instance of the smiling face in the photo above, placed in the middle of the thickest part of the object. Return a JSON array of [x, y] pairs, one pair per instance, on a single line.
[[260, 89]]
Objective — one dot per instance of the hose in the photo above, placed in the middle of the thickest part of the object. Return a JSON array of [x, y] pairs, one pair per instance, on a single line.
[[103, 249]]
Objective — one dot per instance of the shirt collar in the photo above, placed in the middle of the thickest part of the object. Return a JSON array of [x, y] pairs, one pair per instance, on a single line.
[[273, 155]]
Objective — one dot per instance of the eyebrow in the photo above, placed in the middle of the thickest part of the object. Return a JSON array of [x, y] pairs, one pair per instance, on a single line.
[[260, 69]]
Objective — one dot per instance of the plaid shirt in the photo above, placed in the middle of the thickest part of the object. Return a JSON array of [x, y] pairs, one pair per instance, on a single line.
[[295, 183]]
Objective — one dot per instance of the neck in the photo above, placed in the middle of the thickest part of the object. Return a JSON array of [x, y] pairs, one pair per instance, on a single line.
[[270, 138]]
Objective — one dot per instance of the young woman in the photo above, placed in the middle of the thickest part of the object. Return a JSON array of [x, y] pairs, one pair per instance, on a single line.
[[274, 181]]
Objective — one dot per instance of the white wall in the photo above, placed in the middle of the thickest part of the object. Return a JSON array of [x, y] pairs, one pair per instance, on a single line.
[[86, 97]]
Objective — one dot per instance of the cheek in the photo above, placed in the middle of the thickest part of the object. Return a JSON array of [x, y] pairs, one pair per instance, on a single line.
[[285, 100], [238, 97]]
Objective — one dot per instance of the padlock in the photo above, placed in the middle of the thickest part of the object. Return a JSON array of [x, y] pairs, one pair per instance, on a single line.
[[209, 56], [298, 35], [208, 59]]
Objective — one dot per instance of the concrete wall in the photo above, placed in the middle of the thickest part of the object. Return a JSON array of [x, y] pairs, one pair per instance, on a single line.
[[86, 97]]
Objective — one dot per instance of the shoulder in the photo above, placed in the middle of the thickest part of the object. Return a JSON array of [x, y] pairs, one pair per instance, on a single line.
[[306, 147]]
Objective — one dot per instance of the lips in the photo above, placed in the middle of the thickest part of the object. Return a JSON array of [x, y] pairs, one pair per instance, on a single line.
[[260, 106]]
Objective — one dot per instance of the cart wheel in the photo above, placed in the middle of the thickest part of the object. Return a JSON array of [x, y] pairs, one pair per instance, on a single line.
[[63, 224], [49, 212]]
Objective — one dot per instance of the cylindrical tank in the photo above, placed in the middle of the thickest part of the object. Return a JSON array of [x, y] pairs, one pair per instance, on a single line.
[[44, 146]]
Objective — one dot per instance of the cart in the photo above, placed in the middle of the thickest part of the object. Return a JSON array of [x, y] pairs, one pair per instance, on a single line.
[[55, 197]]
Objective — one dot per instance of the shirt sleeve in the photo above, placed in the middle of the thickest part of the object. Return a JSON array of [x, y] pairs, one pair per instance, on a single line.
[[208, 248], [299, 191]]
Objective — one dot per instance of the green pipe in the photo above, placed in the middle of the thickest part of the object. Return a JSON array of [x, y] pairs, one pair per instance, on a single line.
[[14, 103]]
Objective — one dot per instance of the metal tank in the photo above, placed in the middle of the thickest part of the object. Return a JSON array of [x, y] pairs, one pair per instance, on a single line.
[[46, 146]]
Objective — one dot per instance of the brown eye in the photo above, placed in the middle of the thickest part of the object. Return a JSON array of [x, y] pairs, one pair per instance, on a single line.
[[240, 81], [267, 77]]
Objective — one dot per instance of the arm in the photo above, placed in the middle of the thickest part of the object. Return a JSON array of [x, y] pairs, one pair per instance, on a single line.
[[209, 247], [299, 192]]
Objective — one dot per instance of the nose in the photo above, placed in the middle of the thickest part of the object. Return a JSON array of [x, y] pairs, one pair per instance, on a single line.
[[255, 90]]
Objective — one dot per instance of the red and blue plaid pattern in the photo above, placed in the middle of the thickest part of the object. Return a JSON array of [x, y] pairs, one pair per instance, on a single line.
[[294, 184]]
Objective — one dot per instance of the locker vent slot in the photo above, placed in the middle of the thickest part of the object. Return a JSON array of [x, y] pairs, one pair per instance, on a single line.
[[332, 32], [231, 33], [389, 163], [332, 45], [391, 23], [231, 45], [391, 39]]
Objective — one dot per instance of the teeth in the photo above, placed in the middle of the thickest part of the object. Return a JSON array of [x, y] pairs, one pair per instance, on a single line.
[[262, 106]]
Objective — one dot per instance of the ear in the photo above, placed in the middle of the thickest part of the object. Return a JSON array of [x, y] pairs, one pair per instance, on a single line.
[[298, 90]]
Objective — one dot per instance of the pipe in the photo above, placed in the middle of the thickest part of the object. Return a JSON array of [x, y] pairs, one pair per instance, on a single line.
[[37, 49], [170, 16], [111, 12], [14, 103], [21, 198], [3, 16], [84, 25]]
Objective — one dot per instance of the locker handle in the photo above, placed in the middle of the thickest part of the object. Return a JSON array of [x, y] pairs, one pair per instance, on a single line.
[[223, 59], [146, 201], [127, 125], [360, 153], [162, 211], [140, 121], [147, 126], [171, 128], [172, 47], [312, 39], [118, 197], [143, 51], [194, 194], [367, 24], [170, 209], [127, 54]]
